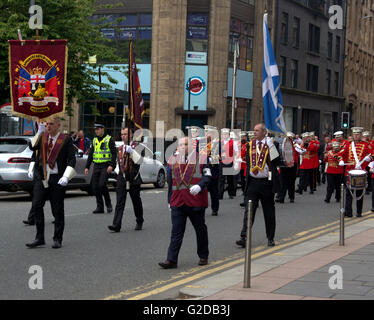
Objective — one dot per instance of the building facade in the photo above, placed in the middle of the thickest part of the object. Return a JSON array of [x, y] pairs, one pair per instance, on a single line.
[[178, 43], [310, 62], [359, 63]]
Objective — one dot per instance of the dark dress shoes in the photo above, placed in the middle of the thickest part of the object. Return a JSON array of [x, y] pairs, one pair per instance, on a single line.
[[241, 242], [168, 264], [271, 243], [292, 200], [98, 210], [203, 262], [114, 228], [109, 209], [214, 213], [35, 244], [139, 226], [56, 245], [327, 200], [28, 222], [242, 204], [358, 215]]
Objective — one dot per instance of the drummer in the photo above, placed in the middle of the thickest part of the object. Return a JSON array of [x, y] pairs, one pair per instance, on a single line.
[[354, 156], [338, 136]]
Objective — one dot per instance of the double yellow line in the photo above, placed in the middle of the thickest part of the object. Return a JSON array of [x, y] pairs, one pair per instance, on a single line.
[[160, 286]]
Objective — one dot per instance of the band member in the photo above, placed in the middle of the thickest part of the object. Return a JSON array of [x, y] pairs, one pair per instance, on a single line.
[[262, 181], [103, 154], [213, 151], [288, 172], [366, 138], [309, 161], [128, 180], [338, 136], [315, 161], [251, 135], [194, 133], [54, 167], [334, 172], [322, 152], [371, 166], [228, 154], [354, 157], [187, 197], [243, 166]]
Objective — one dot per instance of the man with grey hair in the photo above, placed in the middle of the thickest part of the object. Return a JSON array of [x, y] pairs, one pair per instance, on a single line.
[[262, 181]]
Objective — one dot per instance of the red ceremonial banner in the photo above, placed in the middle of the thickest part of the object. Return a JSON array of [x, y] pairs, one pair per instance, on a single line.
[[37, 71]]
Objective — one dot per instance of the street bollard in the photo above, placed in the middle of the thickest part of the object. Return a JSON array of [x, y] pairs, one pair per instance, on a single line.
[[342, 212], [248, 249]]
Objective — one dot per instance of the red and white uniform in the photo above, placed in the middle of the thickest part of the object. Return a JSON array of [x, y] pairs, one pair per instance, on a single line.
[[332, 160], [347, 155], [310, 157]]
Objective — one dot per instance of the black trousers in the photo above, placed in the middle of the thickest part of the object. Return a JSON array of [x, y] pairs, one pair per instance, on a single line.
[[349, 199], [260, 190], [121, 201], [242, 180], [288, 178], [370, 185], [372, 195], [306, 179], [213, 191], [99, 183], [56, 194], [334, 182], [179, 219], [231, 182]]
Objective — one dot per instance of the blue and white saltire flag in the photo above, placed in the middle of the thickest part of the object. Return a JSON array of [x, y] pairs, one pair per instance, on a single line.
[[273, 106]]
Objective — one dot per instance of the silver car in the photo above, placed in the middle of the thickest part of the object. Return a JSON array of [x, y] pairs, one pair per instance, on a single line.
[[15, 158], [151, 169]]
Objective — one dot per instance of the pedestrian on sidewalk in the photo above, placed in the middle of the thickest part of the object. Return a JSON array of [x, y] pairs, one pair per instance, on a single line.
[[187, 197], [263, 181]]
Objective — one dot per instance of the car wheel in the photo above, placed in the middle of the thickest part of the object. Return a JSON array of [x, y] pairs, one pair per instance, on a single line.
[[160, 179]]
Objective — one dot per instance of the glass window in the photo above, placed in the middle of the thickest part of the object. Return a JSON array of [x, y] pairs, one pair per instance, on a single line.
[[200, 19], [294, 73], [129, 20], [296, 32], [284, 27], [146, 19], [329, 45]]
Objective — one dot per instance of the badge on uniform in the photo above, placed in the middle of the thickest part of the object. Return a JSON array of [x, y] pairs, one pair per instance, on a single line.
[[127, 185]]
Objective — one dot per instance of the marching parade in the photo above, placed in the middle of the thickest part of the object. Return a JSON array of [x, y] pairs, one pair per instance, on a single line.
[[198, 112]]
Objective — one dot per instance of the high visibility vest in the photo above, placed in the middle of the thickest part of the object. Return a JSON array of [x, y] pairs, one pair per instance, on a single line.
[[101, 153]]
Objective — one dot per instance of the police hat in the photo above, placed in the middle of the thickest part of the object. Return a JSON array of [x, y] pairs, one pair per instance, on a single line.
[[357, 129], [305, 135], [99, 124], [290, 135], [338, 133]]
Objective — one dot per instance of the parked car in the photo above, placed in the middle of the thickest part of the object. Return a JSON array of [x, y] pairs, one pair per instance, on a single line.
[[15, 158], [151, 169]]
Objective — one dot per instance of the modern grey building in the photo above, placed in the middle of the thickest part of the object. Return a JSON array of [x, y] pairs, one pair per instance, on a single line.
[[310, 61]]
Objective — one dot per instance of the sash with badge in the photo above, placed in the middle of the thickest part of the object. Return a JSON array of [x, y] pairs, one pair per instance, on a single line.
[[49, 157], [257, 161]]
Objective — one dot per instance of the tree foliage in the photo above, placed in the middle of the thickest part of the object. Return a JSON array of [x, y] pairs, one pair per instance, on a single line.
[[62, 19]]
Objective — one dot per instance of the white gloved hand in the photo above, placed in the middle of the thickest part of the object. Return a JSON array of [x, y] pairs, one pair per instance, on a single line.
[[236, 165], [194, 190], [128, 149], [169, 206], [358, 167], [41, 127], [367, 159], [63, 181], [341, 163], [30, 174]]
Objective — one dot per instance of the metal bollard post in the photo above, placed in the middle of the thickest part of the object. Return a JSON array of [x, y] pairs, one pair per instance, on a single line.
[[248, 248], [342, 211]]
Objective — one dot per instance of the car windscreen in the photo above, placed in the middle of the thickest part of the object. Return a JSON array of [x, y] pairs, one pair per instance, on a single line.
[[13, 145]]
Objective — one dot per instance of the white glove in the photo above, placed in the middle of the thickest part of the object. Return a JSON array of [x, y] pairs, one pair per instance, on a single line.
[[367, 159], [169, 206], [30, 173], [320, 161], [236, 165], [63, 181], [128, 149], [194, 190], [341, 163], [358, 167], [41, 128]]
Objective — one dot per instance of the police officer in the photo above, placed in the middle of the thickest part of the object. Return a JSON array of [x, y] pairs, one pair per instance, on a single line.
[[187, 197], [103, 153], [128, 179]]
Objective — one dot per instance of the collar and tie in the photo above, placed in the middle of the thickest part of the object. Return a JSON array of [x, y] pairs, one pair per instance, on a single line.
[[50, 145]]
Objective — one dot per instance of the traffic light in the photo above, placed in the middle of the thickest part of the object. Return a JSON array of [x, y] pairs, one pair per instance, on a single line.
[[345, 120]]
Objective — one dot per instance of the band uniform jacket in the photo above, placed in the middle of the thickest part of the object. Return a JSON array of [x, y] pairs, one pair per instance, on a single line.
[[346, 154], [66, 157], [126, 165], [310, 158]]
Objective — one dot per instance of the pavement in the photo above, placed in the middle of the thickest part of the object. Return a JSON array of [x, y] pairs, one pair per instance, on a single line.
[[316, 269]]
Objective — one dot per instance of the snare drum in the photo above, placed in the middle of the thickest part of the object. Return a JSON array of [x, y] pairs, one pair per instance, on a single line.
[[357, 179]]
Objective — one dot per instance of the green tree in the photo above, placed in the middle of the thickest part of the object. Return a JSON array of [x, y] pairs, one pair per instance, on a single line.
[[62, 19]]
